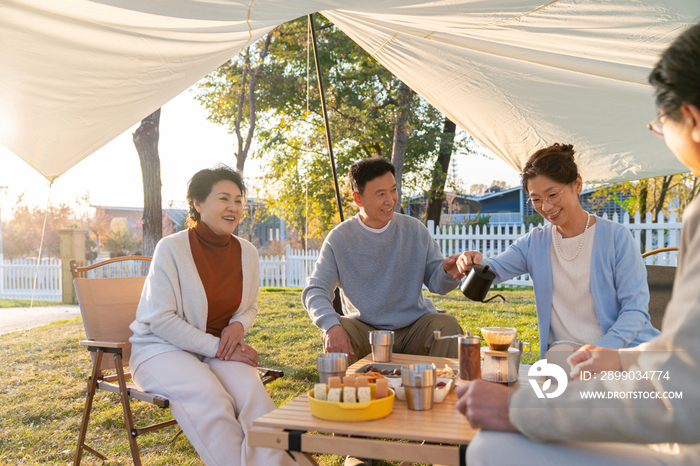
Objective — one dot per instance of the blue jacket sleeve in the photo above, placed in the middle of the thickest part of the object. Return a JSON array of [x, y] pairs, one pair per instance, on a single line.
[[512, 262], [632, 293]]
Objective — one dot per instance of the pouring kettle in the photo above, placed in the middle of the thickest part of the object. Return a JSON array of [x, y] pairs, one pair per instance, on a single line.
[[478, 282]]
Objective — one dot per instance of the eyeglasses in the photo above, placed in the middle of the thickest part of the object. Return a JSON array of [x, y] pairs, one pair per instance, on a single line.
[[552, 199], [657, 126]]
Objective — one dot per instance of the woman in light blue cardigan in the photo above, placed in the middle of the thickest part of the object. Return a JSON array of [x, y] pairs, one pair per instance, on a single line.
[[588, 274]]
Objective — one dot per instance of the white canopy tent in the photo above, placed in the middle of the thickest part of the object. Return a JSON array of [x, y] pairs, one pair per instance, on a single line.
[[515, 74]]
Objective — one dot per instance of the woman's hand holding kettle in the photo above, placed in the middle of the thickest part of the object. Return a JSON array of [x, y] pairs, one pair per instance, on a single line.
[[467, 259]]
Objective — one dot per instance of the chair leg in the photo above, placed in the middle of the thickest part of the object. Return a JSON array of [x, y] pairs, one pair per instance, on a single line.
[[92, 385], [128, 419]]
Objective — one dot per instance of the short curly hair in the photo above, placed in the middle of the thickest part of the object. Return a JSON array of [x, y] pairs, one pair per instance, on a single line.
[[201, 184]]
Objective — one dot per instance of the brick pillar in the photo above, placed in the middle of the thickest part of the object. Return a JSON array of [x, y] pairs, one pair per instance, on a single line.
[[72, 242]]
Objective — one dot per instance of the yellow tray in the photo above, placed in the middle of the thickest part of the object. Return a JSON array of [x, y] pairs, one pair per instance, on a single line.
[[333, 411]]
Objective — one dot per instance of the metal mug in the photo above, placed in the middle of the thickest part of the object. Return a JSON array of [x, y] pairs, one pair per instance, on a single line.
[[519, 345], [331, 365], [382, 342], [419, 383]]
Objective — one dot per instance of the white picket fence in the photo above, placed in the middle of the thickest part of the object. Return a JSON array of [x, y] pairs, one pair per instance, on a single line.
[[295, 266], [17, 279], [290, 270], [492, 240]]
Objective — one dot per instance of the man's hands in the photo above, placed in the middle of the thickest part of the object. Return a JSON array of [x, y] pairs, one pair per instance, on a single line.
[[336, 340], [449, 265], [466, 261], [593, 359], [485, 404]]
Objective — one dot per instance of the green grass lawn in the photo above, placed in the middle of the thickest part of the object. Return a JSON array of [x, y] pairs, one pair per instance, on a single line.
[[25, 303], [43, 373]]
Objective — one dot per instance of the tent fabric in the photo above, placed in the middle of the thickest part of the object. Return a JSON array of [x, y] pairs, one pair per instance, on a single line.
[[517, 75]]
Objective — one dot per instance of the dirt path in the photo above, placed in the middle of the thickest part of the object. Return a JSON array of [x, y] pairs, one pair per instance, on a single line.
[[13, 319]]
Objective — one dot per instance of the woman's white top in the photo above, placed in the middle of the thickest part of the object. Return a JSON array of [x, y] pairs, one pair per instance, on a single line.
[[573, 316]]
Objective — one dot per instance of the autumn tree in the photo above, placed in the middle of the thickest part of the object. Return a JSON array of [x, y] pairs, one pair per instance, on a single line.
[[230, 95], [119, 241], [499, 183], [100, 225], [477, 189], [654, 195], [664, 194], [371, 113], [22, 233]]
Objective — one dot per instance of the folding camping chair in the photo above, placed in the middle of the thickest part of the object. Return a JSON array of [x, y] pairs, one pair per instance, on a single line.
[[108, 306], [660, 279]]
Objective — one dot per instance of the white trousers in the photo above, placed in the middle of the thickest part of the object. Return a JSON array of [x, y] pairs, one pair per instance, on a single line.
[[489, 448], [215, 403]]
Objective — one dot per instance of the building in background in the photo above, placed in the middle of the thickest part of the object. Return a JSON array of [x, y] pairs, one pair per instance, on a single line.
[[258, 226], [453, 206], [499, 206], [132, 217]]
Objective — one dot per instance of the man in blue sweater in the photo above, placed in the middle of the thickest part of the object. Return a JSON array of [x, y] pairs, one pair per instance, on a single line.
[[380, 260]]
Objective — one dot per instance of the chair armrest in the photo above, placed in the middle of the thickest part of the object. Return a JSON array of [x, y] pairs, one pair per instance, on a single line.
[[268, 375], [102, 344]]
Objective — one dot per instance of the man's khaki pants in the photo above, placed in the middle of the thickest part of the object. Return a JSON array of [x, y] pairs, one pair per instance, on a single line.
[[416, 338]]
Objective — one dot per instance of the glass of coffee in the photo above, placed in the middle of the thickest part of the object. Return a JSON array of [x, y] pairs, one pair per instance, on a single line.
[[499, 338]]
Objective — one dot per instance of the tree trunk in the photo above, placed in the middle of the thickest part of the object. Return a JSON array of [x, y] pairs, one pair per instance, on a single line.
[[398, 152], [665, 186], [146, 141], [436, 196], [643, 191]]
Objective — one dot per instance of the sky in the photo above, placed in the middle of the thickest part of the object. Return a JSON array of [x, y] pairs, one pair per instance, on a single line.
[[188, 142]]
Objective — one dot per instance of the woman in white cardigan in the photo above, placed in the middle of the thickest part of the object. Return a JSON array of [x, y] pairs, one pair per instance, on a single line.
[[199, 299]]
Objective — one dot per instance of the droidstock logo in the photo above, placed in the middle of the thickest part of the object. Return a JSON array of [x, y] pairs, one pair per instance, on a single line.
[[543, 369]]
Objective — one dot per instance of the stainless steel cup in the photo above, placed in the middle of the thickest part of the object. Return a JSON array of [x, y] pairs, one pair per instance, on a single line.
[[331, 365], [519, 345], [382, 342], [419, 382]]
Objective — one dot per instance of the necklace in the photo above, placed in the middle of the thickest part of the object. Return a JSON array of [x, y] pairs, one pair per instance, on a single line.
[[580, 244]]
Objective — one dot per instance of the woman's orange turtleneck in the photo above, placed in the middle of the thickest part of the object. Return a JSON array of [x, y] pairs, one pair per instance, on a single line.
[[218, 261]]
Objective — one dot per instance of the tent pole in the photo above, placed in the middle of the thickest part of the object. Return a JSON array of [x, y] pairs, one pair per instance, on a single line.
[[325, 116], [337, 302]]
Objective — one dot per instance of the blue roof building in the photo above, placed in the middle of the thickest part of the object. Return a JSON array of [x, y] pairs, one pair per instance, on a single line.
[[509, 206]]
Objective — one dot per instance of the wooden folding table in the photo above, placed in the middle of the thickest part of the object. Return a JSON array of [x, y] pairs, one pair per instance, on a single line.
[[436, 436]]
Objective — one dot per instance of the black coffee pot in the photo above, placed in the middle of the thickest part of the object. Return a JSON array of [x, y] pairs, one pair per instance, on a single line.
[[478, 282]]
